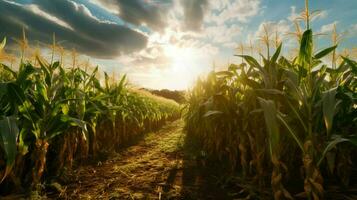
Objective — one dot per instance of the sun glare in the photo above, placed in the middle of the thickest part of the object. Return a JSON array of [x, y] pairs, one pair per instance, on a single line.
[[186, 66]]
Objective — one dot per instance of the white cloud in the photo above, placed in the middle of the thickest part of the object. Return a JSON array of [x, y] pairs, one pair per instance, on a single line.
[[171, 57], [293, 14], [35, 9], [222, 33], [328, 27], [219, 5], [322, 15], [240, 10], [350, 32], [158, 43], [84, 10], [281, 27]]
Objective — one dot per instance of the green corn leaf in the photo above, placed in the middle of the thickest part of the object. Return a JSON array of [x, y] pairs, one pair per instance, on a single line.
[[305, 52], [7, 68], [65, 108], [296, 113], [276, 54], [106, 81], [251, 61], [92, 79], [16, 94], [331, 144], [271, 123], [45, 68], [270, 91], [55, 65], [41, 92], [329, 106], [285, 62], [211, 113], [351, 63], [252, 83], [324, 52], [122, 83], [291, 131], [233, 67], [24, 73], [8, 135], [224, 74], [76, 122]]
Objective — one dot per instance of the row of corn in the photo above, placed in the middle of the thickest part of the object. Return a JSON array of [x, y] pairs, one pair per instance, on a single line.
[[287, 123], [52, 115]]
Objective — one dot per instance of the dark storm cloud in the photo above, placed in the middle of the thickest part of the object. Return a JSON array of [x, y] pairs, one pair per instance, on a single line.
[[89, 35], [154, 12], [194, 11], [150, 12]]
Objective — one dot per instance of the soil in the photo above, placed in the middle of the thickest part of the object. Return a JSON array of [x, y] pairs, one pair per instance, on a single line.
[[160, 166]]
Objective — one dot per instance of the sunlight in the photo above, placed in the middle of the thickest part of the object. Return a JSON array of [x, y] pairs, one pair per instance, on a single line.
[[178, 99], [186, 66]]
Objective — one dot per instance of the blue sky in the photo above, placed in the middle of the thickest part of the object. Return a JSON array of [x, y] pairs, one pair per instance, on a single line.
[[169, 43]]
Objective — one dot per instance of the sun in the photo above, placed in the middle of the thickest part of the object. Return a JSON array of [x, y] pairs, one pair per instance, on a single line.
[[185, 67]]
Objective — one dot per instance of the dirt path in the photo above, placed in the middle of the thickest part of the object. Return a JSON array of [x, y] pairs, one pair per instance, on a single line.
[[158, 167]]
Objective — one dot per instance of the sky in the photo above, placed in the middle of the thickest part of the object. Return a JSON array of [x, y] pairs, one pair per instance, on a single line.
[[169, 43]]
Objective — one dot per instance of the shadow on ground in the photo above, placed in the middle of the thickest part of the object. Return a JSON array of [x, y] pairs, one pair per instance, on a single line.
[[192, 178]]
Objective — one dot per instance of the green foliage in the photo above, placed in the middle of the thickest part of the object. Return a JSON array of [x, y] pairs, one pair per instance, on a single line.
[[309, 110], [52, 116], [9, 132]]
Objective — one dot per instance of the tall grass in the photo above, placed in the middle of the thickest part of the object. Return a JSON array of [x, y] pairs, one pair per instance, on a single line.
[[280, 120]]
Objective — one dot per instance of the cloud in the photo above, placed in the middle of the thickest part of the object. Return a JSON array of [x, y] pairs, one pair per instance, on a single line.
[[281, 27], [327, 28], [219, 5], [293, 14], [163, 47], [71, 22], [322, 14], [154, 55], [151, 13], [38, 11], [154, 13], [194, 11], [236, 11], [222, 34]]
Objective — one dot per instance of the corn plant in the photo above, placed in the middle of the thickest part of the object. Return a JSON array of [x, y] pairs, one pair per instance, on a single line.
[[52, 116], [308, 108]]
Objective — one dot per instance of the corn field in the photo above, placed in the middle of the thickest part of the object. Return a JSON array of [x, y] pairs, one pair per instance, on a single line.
[[284, 123], [280, 122], [52, 116]]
